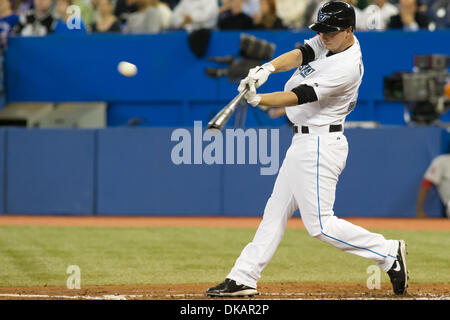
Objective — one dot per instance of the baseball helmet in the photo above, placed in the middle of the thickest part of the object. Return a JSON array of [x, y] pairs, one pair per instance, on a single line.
[[334, 16]]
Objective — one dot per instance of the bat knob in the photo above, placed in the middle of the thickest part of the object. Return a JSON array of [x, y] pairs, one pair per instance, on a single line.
[[214, 131], [213, 128]]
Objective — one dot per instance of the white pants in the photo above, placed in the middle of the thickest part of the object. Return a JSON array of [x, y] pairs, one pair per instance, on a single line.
[[307, 180]]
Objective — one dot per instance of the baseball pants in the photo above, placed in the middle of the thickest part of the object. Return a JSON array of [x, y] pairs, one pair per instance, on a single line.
[[307, 181]]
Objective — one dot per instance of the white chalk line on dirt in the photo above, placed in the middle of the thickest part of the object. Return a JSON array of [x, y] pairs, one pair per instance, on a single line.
[[274, 296], [315, 296], [46, 296]]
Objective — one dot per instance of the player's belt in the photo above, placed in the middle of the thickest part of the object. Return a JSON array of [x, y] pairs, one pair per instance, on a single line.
[[305, 129]]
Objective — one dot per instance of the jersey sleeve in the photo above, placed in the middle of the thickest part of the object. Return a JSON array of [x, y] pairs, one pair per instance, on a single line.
[[434, 171], [317, 46]]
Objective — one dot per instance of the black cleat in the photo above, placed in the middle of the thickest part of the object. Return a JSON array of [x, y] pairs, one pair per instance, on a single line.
[[229, 288], [398, 272]]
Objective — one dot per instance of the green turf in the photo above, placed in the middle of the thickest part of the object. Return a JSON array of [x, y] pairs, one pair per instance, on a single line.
[[39, 256]]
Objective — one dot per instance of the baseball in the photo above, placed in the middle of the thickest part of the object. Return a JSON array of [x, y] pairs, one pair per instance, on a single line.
[[127, 69]]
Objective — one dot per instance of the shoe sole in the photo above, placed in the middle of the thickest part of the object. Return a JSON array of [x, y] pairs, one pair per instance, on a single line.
[[242, 293], [404, 252]]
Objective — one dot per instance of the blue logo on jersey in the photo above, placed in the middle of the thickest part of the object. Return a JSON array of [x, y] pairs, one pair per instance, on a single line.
[[306, 70]]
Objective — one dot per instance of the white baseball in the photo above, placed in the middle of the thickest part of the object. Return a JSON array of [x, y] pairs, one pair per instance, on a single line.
[[127, 69]]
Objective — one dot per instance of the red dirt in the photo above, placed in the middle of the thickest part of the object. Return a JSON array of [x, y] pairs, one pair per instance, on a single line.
[[196, 291], [250, 222]]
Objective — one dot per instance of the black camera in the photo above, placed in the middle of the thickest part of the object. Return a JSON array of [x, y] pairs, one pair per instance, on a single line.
[[253, 52], [422, 90]]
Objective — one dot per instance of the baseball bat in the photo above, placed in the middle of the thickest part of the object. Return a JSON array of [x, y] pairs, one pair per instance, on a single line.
[[222, 117]]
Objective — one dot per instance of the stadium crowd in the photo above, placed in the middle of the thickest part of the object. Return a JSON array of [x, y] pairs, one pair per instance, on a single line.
[[42, 17]]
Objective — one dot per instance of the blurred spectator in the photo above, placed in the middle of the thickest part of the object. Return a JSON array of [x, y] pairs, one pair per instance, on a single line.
[[38, 21], [235, 19], [69, 22], [195, 14], [171, 3], [377, 15], [87, 11], [362, 4], [439, 13], [224, 8], [437, 174], [106, 21], [95, 13], [360, 23], [421, 4], [295, 14], [122, 9], [146, 20], [409, 18], [250, 7], [268, 18], [164, 11], [8, 19], [21, 6]]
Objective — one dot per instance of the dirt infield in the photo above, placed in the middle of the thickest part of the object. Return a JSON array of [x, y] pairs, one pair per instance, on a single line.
[[250, 222], [310, 291], [197, 291]]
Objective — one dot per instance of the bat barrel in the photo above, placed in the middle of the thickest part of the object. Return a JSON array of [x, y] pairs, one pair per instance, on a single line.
[[221, 118]]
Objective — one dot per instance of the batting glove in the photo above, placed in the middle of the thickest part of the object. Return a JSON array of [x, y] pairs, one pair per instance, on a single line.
[[251, 96], [257, 76]]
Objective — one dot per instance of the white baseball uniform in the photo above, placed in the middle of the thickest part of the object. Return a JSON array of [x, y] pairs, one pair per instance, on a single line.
[[438, 173], [308, 176]]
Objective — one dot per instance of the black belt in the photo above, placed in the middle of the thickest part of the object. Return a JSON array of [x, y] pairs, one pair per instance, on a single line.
[[333, 128]]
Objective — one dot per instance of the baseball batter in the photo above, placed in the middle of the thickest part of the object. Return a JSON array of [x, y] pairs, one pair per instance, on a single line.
[[322, 91]]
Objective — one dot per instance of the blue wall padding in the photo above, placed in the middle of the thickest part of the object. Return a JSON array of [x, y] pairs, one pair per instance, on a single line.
[[51, 171], [129, 171], [384, 170], [136, 176], [171, 88], [382, 176], [2, 170], [248, 196]]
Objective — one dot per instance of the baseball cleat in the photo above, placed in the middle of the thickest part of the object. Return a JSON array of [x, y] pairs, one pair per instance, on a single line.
[[398, 272], [229, 288]]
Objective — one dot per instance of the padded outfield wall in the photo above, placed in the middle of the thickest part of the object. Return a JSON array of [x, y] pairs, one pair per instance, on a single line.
[[171, 88], [123, 170], [130, 171]]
